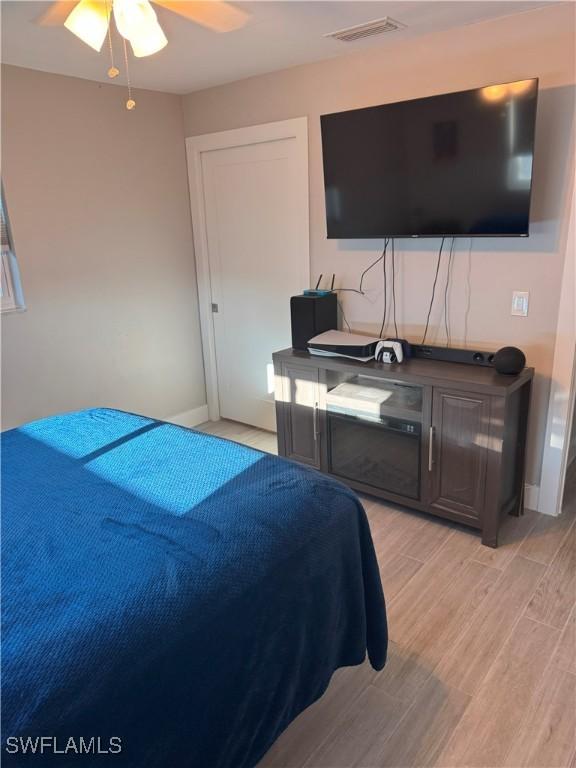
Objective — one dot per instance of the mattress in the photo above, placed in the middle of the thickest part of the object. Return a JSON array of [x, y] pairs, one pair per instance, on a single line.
[[171, 598]]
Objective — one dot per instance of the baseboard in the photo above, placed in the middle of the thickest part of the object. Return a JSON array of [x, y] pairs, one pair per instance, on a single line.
[[190, 418], [531, 496]]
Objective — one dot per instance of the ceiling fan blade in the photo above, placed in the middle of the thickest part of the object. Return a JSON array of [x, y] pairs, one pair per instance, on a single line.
[[56, 14], [213, 14]]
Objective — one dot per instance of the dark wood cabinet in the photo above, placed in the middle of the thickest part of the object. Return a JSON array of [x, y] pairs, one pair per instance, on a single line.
[[458, 452], [450, 440], [299, 413]]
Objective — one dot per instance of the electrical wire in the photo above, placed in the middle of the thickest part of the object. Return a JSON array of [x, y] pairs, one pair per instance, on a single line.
[[359, 289], [446, 288], [433, 291], [394, 287], [385, 281], [382, 256], [344, 316], [468, 291]]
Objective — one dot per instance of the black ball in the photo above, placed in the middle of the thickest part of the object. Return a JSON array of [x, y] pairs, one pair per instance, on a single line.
[[509, 360]]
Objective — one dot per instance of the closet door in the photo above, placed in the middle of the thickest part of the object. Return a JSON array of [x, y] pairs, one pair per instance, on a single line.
[[257, 246]]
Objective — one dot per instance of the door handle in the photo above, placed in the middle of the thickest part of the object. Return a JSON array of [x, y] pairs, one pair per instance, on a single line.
[[431, 449], [316, 429]]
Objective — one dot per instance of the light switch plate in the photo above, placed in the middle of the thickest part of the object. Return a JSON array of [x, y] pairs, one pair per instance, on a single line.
[[520, 303]]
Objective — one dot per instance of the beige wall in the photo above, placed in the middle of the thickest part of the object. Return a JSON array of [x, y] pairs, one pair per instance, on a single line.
[[539, 43], [98, 202]]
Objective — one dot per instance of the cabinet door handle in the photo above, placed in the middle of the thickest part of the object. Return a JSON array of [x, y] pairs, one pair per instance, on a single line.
[[316, 430], [431, 449]]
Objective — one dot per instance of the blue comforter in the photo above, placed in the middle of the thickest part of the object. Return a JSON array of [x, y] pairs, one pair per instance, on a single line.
[[171, 599]]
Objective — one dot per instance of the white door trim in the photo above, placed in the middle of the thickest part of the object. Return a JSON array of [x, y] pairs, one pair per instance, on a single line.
[[563, 382], [296, 128]]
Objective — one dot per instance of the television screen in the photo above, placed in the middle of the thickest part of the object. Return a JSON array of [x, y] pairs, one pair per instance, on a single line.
[[459, 164]]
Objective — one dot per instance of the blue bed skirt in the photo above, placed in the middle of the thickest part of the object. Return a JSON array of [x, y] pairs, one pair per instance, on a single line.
[[171, 599]]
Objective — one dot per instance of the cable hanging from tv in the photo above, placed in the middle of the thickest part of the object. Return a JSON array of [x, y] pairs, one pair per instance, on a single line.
[[382, 258], [446, 290], [362, 276], [433, 290]]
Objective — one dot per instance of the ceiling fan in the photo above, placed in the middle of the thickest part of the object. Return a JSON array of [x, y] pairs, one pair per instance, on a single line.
[[136, 20], [137, 23]]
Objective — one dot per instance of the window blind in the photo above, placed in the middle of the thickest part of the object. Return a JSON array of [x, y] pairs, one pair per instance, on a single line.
[[4, 233]]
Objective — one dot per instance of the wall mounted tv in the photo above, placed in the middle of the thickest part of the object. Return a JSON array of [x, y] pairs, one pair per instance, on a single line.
[[459, 164]]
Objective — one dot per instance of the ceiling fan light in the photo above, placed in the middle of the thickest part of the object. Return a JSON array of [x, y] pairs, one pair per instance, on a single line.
[[137, 22], [148, 40], [88, 20]]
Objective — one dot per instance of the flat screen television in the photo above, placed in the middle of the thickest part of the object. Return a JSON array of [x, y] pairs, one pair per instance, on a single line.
[[459, 164]]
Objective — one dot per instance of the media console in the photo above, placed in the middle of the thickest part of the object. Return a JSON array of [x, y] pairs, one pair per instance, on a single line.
[[439, 437]]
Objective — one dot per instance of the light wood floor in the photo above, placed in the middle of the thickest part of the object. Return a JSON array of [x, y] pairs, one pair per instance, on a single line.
[[242, 433], [482, 658]]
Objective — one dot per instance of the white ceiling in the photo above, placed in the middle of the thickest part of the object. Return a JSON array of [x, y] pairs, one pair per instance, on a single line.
[[277, 35]]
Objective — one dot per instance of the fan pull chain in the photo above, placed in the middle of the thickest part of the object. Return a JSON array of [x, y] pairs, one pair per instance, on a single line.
[[130, 104], [113, 71]]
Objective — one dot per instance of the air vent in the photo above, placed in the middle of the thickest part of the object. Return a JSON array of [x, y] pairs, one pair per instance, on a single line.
[[370, 28]]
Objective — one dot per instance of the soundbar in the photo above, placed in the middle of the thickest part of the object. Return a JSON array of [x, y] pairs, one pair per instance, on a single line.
[[452, 355]]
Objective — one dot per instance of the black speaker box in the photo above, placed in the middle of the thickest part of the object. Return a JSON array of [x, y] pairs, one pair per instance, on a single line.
[[312, 315]]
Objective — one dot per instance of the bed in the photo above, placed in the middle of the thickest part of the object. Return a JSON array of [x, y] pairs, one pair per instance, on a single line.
[[176, 598]]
